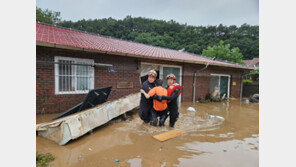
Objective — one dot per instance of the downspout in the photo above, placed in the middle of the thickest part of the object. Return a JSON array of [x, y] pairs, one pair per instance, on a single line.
[[242, 84], [194, 78]]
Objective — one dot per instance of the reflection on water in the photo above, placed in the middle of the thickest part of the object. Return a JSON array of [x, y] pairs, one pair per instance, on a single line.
[[41, 118], [231, 139]]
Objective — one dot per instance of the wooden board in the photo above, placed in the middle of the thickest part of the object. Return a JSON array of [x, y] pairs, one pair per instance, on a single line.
[[168, 135]]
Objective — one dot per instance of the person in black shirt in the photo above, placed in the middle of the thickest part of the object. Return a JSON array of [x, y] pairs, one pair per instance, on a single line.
[[147, 104]]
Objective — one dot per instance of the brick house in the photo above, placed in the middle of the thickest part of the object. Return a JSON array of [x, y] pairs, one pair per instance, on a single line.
[[70, 62]]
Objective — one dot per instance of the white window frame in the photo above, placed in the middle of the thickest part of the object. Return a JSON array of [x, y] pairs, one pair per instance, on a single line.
[[226, 75], [76, 60], [161, 73]]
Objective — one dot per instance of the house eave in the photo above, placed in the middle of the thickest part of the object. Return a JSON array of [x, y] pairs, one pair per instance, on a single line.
[[60, 46]]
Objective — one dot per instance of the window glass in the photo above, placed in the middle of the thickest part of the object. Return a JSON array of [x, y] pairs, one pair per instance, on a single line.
[[65, 75], [74, 75], [224, 85], [214, 82]]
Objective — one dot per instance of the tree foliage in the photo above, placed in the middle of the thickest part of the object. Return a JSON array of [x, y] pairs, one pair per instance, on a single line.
[[47, 16], [171, 34], [224, 52]]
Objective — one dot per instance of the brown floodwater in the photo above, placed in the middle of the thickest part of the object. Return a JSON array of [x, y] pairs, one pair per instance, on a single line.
[[218, 134]]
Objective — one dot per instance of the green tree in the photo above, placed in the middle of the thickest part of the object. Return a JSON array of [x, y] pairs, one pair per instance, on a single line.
[[224, 52], [47, 16]]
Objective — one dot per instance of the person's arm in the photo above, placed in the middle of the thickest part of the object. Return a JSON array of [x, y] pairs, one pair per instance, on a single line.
[[145, 94], [173, 96], [156, 97]]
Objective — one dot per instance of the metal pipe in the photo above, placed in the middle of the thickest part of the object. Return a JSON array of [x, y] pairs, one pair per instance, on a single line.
[[80, 64], [242, 84], [194, 78]]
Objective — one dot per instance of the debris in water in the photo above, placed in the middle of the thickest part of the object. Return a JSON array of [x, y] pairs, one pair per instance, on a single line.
[[247, 101], [191, 109], [168, 135], [216, 116], [82, 122], [93, 98], [160, 148], [79, 158], [225, 150], [219, 117], [116, 160], [89, 149]]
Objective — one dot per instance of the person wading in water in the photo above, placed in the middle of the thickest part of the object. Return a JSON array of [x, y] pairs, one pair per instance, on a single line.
[[174, 90], [147, 104], [159, 108]]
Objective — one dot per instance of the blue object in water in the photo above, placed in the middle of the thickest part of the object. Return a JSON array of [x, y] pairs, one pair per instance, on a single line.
[[116, 160]]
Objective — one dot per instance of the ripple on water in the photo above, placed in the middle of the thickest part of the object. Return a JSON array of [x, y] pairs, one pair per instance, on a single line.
[[188, 121]]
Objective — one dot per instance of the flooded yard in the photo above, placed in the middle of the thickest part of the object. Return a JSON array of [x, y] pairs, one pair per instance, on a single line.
[[218, 134]]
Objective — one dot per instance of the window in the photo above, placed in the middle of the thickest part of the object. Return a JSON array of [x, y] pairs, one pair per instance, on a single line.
[[222, 82], [72, 76]]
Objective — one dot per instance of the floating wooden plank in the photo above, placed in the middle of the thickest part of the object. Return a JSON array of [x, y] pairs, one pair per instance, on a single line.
[[73, 126], [168, 135]]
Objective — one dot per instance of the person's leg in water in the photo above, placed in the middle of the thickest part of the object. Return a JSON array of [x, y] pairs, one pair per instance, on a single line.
[[145, 112], [162, 117], [154, 119], [174, 114]]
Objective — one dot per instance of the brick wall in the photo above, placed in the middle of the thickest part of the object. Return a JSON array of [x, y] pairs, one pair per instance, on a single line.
[[46, 99], [126, 70], [203, 80]]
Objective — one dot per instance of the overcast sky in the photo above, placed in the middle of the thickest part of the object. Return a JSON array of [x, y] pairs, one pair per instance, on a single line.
[[192, 12]]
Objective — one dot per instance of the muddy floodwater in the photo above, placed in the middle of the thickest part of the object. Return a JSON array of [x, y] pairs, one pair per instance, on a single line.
[[218, 134]]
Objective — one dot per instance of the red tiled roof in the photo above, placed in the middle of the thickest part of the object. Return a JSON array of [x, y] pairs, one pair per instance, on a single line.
[[78, 39], [252, 62]]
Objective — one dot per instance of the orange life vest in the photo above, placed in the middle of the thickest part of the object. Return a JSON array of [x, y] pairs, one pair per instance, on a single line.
[[172, 88]]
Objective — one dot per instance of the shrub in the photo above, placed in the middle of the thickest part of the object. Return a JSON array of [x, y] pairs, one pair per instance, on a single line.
[[42, 160]]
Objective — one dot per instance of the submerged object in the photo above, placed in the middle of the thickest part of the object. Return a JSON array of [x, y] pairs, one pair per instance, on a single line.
[[191, 109], [93, 98], [73, 126], [216, 116], [169, 135]]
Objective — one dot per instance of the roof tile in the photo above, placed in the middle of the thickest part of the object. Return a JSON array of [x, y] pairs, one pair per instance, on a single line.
[[75, 38]]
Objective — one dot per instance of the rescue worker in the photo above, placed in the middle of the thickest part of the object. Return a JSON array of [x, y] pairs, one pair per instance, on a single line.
[[146, 104], [159, 107], [174, 90]]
